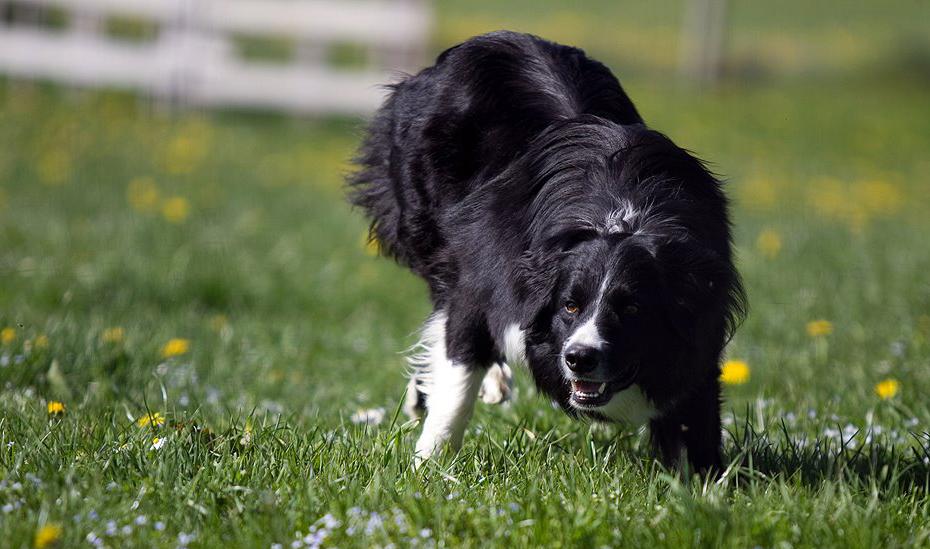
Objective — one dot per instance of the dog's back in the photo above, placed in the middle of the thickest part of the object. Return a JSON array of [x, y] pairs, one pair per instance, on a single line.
[[460, 122]]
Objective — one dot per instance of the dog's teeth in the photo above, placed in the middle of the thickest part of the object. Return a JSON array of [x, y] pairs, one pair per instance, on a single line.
[[602, 388]]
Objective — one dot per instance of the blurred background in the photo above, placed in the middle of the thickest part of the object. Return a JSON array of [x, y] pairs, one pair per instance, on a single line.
[[190, 312], [174, 169]]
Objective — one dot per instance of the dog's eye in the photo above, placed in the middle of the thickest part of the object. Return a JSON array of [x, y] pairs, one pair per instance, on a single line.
[[630, 310], [571, 307]]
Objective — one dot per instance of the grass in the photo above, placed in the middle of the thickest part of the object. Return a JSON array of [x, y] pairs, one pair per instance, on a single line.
[[229, 231], [793, 38]]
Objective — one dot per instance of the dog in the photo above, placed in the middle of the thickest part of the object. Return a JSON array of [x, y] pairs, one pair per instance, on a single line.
[[553, 229]]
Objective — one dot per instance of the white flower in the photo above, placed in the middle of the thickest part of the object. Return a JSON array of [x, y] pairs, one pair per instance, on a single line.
[[329, 522], [375, 522], [157, 443], [372, 416], [849, 433]]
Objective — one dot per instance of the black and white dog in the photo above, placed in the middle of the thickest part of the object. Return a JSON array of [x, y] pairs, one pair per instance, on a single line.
[[553, 229]]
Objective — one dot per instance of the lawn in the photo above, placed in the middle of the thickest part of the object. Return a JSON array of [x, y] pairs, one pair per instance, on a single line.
[[195, 293]]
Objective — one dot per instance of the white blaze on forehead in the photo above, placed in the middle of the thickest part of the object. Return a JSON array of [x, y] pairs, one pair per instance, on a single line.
[[587, 335], [622, 219]]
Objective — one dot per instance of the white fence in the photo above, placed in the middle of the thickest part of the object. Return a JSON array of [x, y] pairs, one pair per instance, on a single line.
[[193, 58]]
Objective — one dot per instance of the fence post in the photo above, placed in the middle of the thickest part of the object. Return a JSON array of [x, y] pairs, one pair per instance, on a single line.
[[703, 34]]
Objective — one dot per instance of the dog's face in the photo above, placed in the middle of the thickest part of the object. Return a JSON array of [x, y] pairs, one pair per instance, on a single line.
[[622, 311], [609, 319]]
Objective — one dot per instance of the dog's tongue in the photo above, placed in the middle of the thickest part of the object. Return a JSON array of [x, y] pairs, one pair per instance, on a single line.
[[585, 386]]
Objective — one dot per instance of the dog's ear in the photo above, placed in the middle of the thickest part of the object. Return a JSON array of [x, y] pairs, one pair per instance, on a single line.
[[700, 284], [536, 276]]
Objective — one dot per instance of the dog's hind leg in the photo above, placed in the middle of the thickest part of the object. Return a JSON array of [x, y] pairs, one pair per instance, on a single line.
[[414, 399], [450, 387], [497, 385]]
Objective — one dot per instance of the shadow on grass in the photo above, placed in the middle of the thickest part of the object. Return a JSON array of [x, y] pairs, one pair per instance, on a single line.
[[860, 459]]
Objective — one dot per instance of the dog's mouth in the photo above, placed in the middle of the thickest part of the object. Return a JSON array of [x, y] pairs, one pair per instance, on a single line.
[[592, 394]]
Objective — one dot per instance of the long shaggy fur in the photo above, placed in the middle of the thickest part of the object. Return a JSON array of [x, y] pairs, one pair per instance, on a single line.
[[516, 175]]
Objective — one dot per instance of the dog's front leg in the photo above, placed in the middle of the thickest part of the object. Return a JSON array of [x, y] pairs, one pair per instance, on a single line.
[[450, 399], [690, 435]]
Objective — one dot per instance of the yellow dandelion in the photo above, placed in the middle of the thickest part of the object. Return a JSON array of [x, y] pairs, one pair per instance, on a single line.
[[887, 388], [769, 243], [41, 341], [758, 193], [734, 372], [175, 347], [143, 194], [113, 335], [186, 150], [7, 335], [175, 209], [831, 199], [819, 328], [879, 196], [54, 167], [55, 408], [155, 419], [47, 536]]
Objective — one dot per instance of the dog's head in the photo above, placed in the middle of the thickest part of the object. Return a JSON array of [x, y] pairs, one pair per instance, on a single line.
[[617, 296]]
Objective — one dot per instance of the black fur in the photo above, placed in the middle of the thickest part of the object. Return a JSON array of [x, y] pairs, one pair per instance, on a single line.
[[514, 175]]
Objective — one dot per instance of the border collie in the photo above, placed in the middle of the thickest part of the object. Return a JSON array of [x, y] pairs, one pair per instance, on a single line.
[[554, 229]]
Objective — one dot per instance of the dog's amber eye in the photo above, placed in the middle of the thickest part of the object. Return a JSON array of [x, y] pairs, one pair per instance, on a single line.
[[630, 310], [571, 308]]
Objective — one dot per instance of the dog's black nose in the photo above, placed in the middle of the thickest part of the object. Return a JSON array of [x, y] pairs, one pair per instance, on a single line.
[[581, 359]]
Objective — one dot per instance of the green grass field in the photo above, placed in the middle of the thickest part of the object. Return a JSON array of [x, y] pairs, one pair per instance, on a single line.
[[125, 227]]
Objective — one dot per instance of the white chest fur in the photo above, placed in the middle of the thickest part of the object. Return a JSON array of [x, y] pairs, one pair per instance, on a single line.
[[629, 406], [514, 345]]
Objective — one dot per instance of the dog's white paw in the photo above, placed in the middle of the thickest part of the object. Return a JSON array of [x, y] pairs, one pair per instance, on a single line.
[[497, 385]]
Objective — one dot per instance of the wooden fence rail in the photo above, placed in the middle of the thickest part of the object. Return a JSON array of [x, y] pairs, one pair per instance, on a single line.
[[193, 58]]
